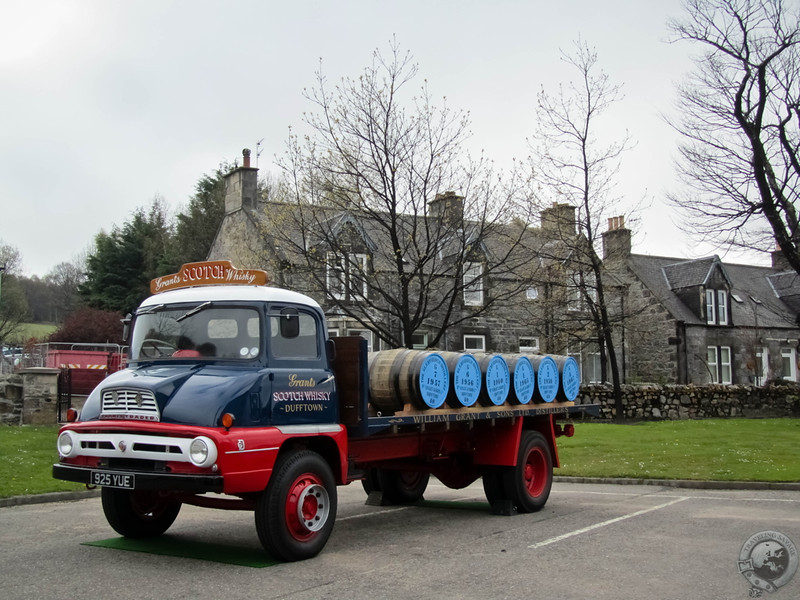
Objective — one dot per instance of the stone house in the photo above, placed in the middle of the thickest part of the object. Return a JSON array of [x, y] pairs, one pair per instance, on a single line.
[[499, 310], [702, 321], [674, 320]]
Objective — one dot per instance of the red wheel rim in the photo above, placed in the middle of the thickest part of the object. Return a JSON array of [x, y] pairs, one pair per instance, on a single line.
[[307, 507], [535, 472]]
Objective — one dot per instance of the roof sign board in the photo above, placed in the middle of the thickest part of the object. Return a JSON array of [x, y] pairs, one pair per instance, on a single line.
[[215, 272]]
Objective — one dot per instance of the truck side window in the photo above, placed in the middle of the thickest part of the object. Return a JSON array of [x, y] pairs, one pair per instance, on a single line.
[[283, 342]]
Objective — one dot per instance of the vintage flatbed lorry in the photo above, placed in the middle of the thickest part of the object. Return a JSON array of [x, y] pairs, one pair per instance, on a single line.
[[235, 397]]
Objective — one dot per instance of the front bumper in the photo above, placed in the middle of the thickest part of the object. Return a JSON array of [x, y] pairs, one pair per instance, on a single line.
[[145, 480]]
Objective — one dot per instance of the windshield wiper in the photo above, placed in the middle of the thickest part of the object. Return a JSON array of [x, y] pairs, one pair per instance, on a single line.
[[149, 309], [194, 311]]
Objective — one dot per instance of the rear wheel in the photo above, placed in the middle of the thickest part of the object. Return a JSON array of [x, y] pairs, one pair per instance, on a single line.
[[402, 487], [493, 485], [138, 513], [528, 484], [295, 514]]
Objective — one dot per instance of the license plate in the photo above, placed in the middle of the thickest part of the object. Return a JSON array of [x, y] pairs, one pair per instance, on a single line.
[[125, 481]]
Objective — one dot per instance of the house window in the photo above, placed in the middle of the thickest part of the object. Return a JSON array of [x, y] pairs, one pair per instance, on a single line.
[[581, 289], [346, 276], [365, 333], [719, 364], [529, 344], [573, 299], [532, 293], [762, 365], [722, 307], [594, 368], [473, 284], [419, 340], [788, 364], [716, 307], [474, 343]]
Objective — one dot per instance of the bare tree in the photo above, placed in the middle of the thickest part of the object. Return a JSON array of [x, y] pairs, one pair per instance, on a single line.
[[13, 306], [389, 216], [580, 172], [739, 115]]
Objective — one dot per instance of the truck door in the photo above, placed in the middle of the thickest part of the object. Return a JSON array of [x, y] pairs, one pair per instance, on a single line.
[[303, 388]]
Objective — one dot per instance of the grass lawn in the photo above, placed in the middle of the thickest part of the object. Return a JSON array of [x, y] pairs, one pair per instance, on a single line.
[[26, 458], [40, 331], [717, 449]]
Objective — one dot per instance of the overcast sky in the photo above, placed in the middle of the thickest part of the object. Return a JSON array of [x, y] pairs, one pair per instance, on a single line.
[[106, 104]]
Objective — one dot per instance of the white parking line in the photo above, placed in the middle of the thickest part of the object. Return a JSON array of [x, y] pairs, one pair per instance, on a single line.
[[565, 536]]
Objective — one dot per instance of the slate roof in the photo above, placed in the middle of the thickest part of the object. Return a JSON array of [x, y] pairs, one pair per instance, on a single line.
[[760, 296]]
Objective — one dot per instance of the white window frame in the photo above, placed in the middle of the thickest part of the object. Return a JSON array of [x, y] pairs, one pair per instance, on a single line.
[[336, 276], [717, 307], [711, 307], [722, 307], [419, 344], [573, 293], [359, 270], [365, 333], [531, 346], [475, 338], [343, 272], [473, 284], [720, 364], [595, 368], [725, 365], [762, 366], [789, 359]]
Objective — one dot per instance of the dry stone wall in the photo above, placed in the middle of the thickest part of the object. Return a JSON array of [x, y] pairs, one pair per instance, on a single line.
[[674, 402]]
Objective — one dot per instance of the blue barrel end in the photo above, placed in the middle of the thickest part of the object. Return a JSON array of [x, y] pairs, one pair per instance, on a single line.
[[524, 379], [467, 380], [434, 381], [498, 380], [570, 378], [547, 379]]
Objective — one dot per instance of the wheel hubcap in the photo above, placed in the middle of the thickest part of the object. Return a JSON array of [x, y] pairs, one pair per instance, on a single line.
[[307, 506], [535, 469]]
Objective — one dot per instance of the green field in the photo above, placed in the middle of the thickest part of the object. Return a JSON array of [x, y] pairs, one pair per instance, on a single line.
[[714, 449], [39, 331]]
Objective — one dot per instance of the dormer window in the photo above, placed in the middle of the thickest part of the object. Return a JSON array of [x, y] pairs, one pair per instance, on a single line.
[[717, 307], [346, 276]]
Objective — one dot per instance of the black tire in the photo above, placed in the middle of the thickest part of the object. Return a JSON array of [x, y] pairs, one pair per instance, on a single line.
[[493, 485], [402, 487], [528, 484], [370, 482], [138, 514], [295, 514]]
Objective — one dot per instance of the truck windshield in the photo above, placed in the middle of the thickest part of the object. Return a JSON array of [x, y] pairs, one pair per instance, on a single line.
[[202, 331]]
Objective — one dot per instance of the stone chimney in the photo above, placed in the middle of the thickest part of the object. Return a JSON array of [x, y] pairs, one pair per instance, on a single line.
[[241, 186], [559, 220], [448, 207], [617, 240], [779, 260]]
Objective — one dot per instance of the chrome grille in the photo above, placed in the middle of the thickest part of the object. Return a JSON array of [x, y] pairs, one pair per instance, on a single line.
[[132, 404]]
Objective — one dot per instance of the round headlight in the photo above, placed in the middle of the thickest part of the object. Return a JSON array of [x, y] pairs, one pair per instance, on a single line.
[[65, 443], [202, 452]]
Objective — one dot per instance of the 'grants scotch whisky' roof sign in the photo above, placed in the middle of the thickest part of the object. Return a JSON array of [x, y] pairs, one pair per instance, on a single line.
[[216, 272]]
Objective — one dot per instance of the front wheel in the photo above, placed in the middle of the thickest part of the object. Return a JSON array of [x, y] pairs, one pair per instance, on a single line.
[[295, 514], [138, 514], [528, 484]]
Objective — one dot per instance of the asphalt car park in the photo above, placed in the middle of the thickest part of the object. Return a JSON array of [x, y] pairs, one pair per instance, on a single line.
[[590, 541]]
